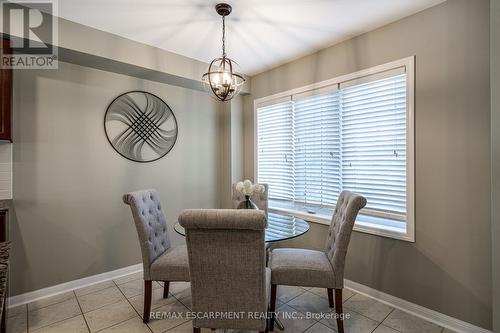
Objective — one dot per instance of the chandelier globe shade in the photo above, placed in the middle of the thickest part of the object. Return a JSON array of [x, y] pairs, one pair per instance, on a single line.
[[223, 79]]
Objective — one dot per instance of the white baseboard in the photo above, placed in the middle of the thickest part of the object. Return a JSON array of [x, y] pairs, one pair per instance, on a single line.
[[71, 285], [438, 318], [435, 317]]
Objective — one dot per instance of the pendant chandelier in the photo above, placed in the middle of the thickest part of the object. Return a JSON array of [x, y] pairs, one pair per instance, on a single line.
[[222, 79]]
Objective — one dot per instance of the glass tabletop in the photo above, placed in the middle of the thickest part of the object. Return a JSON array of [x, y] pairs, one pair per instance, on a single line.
[[279, 227]]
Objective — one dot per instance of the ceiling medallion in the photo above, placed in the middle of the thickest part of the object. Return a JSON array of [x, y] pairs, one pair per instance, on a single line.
[[222, 79]]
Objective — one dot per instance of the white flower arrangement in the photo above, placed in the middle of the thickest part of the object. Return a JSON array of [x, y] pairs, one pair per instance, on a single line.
[[248, 189]]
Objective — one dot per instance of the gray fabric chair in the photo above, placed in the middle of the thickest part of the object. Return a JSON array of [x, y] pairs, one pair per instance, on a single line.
[[260, 199], [161, 260], [309, 268], [227, 267]]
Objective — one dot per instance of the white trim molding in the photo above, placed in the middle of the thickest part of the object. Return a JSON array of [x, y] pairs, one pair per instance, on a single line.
[[71, 285], [435, 317]]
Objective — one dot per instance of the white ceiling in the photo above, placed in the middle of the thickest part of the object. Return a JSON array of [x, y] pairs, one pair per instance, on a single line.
[[260, 33]]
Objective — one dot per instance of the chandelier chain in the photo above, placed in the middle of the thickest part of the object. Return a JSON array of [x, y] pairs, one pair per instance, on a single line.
[[224, 36]]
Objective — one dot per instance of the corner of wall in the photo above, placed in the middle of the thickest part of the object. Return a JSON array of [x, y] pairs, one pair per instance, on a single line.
[[231, 147], [495, 157], [248, 133]]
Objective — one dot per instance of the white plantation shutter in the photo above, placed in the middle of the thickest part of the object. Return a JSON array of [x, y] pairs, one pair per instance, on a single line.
[[322, 142], [317, 153], [275, 153], [374, 142]]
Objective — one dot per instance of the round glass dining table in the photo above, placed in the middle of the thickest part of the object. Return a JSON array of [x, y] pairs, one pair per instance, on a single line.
[[279, 227]]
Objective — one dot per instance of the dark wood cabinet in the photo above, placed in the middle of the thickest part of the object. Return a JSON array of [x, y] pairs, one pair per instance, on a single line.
[[5, 95]]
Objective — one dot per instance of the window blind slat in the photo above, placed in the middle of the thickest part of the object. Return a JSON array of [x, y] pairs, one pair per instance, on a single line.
[[317, 140], [275, 154], [315, 145], [374, 137]]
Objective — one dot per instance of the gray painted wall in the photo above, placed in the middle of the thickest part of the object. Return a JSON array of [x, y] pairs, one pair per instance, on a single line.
[[231, 148], [495, 157], [69, 221], [448, 269]]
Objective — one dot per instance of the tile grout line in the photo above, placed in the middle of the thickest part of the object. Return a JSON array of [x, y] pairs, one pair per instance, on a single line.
[[119, 284], [333, 309], [56, 322], [178, 300], [121, 322], [92, 292], [128, 301], [320, 323], [187, 321], [81, 310], [291, 299], [383, 321], [348, 298], [315, 323], [46, 306], [105, 305], [359, 313], [73, 291]]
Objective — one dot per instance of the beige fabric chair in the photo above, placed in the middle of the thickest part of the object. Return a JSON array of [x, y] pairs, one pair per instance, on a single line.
[[309, 268], [227, 267], [260, 199], [161, 260]]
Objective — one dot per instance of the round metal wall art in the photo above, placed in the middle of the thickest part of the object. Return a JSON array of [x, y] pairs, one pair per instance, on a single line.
[[140, 126]]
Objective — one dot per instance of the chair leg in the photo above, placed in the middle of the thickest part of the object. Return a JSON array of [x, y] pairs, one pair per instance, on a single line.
[[196, 330], [274, 288], [148, 289], [330, 296], [165, 289], [338, 310]]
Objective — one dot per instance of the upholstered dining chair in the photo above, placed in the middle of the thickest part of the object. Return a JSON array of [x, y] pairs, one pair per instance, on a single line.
[[323, 269], [161, 260], [227, 267], [259, 199]]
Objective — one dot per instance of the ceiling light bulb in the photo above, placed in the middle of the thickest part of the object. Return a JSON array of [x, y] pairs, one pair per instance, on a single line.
[[226, 78], [216, 79]]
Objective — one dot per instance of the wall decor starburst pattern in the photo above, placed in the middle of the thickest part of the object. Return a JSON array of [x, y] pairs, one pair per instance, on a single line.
[[140, 126]]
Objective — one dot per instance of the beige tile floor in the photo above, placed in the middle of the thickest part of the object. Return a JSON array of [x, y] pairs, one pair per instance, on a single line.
[[116, 307]]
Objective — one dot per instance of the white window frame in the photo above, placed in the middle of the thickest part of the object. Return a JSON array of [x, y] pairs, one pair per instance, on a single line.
[[362, 226]]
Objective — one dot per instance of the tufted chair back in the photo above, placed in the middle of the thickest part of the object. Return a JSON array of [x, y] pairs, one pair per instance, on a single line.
[[339, 233], [151, 225], [260, 199], [227, 265]]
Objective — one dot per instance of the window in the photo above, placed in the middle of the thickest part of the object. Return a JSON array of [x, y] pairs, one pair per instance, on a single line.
[[351, 133]]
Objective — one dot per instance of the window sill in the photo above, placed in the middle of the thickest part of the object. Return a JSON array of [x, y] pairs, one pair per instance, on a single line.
[[367, 224]]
